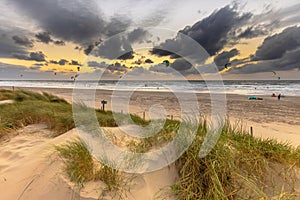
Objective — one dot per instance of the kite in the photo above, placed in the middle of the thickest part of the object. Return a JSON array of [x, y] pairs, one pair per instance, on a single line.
[[275, 74], [166, 62], [227, 65]]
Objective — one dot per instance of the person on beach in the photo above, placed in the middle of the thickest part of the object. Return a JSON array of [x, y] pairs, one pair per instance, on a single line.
[[279, 95]]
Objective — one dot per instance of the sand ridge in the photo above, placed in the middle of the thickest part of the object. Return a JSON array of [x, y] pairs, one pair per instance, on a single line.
[[30, 170]]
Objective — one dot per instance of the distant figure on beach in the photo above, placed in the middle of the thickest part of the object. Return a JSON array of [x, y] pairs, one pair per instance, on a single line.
[[279, 95], [273, 95]]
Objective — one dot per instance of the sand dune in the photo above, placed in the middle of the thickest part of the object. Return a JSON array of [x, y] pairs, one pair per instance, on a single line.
[[30, 170]]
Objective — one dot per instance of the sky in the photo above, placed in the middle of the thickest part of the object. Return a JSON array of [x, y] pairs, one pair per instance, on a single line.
[[61, 39]]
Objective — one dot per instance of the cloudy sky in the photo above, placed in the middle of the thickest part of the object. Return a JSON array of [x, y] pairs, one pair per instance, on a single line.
[[56, 39]]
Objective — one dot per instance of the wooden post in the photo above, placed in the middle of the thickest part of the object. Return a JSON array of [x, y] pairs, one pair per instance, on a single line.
[[144, 115], [103, 102], [251, 131], [171, 117]]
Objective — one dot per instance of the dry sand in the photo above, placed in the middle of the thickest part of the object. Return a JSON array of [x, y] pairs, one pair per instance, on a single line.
[[29, 169], [269, 118]]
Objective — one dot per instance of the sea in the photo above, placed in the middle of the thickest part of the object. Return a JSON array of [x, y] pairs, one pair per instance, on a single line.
[[249, 87]]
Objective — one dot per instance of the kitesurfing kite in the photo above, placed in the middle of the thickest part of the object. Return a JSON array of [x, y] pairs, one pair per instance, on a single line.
[[167, 63], [227, 65], [275, 74]]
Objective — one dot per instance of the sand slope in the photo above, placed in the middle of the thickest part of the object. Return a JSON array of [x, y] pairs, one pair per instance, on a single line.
[[30, 170]]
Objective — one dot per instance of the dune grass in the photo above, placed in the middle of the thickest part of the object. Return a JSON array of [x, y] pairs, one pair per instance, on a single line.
[[239, 167], [30, 108], [81, 168], [56, 113]]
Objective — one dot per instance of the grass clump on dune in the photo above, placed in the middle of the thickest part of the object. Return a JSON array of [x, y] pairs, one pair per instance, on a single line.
[[30, 108], [81, 168], [56, 113], [239, 167]]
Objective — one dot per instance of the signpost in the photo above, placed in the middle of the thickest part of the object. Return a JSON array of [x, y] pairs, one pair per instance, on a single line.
[[103, 102]]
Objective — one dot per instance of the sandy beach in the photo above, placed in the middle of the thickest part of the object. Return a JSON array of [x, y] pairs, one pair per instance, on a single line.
[[269, 118], [30, 170]]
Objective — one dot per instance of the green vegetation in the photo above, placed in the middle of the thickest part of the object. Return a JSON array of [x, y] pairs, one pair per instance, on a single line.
[[81, 167], [30, 108], [239, 167]]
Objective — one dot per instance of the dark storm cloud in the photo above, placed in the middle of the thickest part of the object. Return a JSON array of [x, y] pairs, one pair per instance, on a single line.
[[44, 37], [148, 61], [118, 46], [8, 45], [109, 68], [126, 56], [252, 32], [91, 47], [117, 67], [96, 64], [74, 62], [224, 57], [115, 48], [277, 45], [35, 56], [76, 20], [181, 65], [23, 41], [137, 35], [213, 32], [62, 62], [54, 62], [116, 25], [289, 61], [59, 43], [256, 27]]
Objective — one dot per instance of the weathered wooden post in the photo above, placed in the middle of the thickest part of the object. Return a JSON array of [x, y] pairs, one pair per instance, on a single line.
[[251, 131], [144, 115], [103, 102]]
